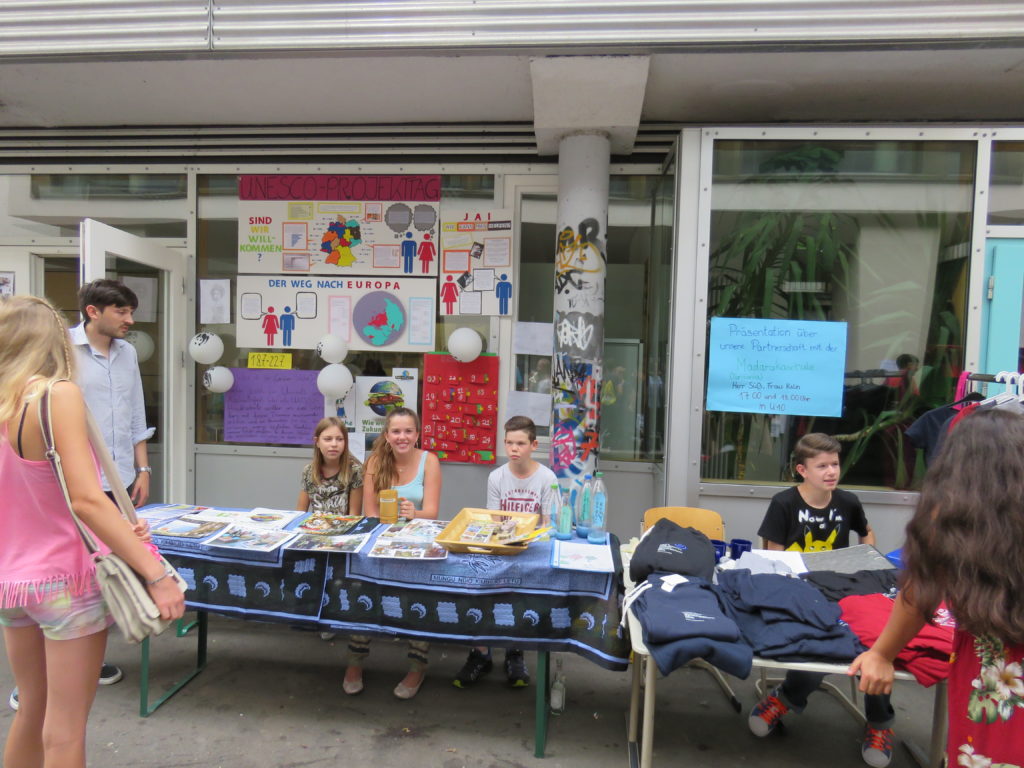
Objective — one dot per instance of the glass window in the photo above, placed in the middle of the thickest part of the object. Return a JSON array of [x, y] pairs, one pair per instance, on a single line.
[[1006, 184], [875, 234], [217, 258], [636, 330]]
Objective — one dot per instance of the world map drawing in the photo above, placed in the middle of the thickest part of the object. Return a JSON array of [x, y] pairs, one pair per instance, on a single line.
[[379, 318]]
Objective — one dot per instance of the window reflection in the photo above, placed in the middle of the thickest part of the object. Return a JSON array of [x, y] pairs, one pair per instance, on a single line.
[[873, 234]]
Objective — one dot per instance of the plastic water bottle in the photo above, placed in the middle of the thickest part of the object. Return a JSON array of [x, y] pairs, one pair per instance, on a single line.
[[584, 507], [575, 493], [563, 513], [599, 511]]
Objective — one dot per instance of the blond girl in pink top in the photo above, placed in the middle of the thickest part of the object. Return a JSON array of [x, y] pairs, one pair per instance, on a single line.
[[53, 618]]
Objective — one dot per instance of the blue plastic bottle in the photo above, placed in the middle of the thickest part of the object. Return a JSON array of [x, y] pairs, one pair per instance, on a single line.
[[599, 511], [583, 507], [563, 513]]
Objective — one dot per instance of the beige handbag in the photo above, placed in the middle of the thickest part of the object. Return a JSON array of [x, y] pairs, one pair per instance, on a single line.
[[123, 590]]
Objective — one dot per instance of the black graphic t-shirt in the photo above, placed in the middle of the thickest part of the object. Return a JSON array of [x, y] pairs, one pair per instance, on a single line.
[[796, 525]]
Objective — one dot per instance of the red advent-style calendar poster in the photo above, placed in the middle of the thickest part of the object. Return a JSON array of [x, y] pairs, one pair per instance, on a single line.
[[460, 408]]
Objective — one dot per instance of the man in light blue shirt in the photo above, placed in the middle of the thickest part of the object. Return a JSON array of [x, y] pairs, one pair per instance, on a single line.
[[108, 373]]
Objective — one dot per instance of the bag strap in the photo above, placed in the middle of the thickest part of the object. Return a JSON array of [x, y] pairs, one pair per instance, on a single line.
[[124, 503]]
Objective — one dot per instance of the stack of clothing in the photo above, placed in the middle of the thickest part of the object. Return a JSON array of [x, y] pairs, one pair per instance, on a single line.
[[682, 620], [835, 586], [926, 657], [784, 618]]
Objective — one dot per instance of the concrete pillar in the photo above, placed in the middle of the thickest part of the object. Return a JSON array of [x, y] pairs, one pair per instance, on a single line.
[[580, 270]]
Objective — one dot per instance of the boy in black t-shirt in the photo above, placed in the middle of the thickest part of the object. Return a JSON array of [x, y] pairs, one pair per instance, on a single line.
[[810, 517]]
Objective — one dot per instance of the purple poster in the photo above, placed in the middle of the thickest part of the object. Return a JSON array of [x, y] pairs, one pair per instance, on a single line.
[[272, 406]]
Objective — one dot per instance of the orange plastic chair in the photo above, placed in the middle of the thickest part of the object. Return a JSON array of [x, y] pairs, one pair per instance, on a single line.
[[704, 520]]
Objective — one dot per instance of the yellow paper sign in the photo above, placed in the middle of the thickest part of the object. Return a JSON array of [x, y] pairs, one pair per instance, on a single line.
[[278, 360]]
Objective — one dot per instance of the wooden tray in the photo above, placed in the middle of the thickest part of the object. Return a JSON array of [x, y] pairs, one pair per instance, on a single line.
[[451, 537]]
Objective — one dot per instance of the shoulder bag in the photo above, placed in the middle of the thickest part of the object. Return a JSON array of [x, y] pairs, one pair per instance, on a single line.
[[123, 590]]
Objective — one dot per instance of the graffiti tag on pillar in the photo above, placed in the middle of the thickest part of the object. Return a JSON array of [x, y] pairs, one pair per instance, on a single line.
[[583, 251], [570, 373], [569, 279], [576, 331], [563, 448]]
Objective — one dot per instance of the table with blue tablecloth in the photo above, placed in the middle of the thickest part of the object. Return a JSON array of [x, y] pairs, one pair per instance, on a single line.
[[518, 600]]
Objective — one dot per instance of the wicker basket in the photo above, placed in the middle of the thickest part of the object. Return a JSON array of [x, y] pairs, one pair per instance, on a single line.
[[451, 537]]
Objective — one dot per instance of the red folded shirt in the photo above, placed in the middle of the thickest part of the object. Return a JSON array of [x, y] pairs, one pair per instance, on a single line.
[[926, 657]]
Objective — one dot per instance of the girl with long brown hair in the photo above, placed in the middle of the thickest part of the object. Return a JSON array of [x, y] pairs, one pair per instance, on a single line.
[[398, 463], [965, 546]]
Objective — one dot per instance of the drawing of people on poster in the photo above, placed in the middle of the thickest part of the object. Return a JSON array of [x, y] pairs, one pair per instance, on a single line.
[[503, 290], [287, 323], [408, 253], [427, 251], [270, 326], [449, 295]]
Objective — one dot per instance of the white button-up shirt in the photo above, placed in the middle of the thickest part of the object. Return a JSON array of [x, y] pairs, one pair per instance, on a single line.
[[113, 391]]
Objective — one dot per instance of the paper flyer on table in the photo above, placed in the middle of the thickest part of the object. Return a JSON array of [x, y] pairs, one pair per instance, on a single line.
[[318, 543], [250, 539], [260, 517], [413, 540], [188, 528], [582, 556], [329, 525]]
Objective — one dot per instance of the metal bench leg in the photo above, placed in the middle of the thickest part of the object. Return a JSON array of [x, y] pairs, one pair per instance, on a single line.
[[201, 626]]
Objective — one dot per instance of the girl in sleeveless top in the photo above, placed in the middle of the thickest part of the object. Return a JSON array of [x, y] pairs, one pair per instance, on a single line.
[[53, 616], [396, 462]]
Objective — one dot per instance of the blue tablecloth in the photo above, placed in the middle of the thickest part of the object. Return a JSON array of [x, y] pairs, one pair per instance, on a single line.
[[515, 600]]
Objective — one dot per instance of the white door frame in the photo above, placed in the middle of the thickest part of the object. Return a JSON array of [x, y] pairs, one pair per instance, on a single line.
[[97, 242]]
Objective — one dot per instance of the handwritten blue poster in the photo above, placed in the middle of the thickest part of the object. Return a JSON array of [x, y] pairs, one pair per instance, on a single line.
[[272, 406], [776, 366]]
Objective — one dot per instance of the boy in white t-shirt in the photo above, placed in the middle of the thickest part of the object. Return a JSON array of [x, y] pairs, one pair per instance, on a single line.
[[521, 485]]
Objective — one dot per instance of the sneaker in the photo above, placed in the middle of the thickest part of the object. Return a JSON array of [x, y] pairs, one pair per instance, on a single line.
[[328, 635], [477, 664], [877, 747], [13, 702], [515, 669], [109, 674], [767, 714]]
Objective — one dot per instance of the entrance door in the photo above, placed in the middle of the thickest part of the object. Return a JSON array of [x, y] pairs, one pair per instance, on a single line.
[[157, 275], [1002, 338]]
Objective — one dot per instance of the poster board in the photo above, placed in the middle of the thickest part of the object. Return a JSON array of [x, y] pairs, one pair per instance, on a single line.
[[272, 406], [776, 366], [476, 275], [382, 225], [394, 315], [460, 408], [377, 396]]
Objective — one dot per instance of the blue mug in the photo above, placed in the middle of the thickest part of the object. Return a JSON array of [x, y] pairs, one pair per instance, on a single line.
[[738, 546], [719, 549]]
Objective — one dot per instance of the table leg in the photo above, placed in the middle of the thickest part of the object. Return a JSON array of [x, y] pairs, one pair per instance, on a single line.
[[542, 703], [634, 710], [647, 743], [201, 625]]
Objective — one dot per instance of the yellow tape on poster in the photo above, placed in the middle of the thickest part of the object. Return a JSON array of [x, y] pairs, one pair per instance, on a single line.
[[276, 360]]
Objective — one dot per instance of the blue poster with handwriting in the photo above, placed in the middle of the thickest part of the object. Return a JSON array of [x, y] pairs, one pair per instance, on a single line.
[[776, 366]]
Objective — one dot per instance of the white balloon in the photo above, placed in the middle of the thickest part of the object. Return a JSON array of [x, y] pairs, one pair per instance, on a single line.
[[465, 345], [218, 379], [206, 348], [332, 349], [335, 380], [143, 343]]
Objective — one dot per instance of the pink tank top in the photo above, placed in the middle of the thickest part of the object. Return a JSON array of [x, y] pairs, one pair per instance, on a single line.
[[41, 551]]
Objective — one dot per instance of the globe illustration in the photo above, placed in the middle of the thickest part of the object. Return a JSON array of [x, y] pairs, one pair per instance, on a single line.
[[384, 397], [379, 318]]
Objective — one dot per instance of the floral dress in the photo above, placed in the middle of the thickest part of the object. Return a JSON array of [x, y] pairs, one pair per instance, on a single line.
[[986, 703]]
